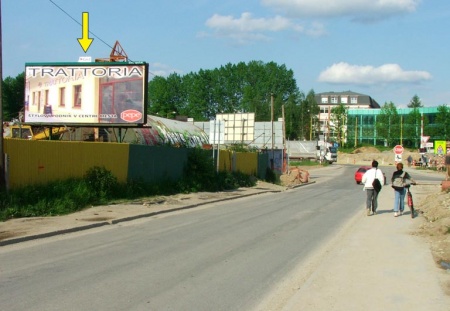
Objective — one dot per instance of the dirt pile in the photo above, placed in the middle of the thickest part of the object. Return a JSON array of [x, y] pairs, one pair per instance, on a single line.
[[366, 150], [295, 176], [435, 208]]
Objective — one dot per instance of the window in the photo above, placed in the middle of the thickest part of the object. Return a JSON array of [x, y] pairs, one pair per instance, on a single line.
[[334, 99], [324, 109], [77, 96], [62, 96], [324, 100], [354, 100], [344, 100]]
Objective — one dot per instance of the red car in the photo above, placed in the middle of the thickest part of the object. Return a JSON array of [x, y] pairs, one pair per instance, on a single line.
[[360, 172]]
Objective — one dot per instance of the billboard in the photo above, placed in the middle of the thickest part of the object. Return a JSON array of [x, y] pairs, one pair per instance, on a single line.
[[98, 94], [239, 127], [440, 147]]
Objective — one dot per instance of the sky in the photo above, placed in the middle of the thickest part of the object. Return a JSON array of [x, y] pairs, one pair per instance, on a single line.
[[390, 50]]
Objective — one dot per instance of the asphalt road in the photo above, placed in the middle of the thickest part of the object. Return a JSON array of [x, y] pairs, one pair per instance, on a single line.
[[231, 255]]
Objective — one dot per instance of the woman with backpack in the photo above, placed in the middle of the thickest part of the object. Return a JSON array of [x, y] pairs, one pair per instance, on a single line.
[[400, 181]]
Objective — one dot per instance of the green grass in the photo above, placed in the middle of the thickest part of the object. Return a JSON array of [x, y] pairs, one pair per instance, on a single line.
[[306, 163]]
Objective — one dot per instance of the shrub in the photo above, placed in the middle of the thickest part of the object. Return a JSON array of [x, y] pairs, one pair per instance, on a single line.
[[271, 176], [101, 181]]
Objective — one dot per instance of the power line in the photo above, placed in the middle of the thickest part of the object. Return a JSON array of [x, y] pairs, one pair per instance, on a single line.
[[71, 17], [76, 21]]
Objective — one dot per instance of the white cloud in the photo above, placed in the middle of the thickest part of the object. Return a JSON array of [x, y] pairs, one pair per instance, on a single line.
[[344, 73], [163, 70], [247, 29], [361, 10]]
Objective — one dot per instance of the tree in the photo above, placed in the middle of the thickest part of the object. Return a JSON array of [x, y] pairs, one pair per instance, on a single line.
[[412, 128], [388, 124], [13, 96], [441, 129], [338, 119], [294, 117], [309, 121], [415, 102], [167, 96], [230, 89]]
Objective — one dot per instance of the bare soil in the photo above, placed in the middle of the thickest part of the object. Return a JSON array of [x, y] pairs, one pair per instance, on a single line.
[[435, 209]]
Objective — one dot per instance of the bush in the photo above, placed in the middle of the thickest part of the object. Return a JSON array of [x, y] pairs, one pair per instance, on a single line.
[[271, 176], [101, 181]]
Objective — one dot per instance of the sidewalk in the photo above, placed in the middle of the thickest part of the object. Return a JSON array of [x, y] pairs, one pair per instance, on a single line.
[[376, 265]]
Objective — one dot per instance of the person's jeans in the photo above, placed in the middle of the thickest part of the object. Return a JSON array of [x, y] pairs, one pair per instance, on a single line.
[[399, 201], [371, 202]]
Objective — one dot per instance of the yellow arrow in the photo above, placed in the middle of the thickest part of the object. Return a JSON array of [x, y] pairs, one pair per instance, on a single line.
[[85, 41]]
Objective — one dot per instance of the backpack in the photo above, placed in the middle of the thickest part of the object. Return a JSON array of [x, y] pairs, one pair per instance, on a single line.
[[399, 181], [376, 184]]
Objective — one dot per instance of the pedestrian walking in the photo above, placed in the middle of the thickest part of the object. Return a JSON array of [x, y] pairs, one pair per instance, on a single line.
[[371, 188], [410, 159], [401, 180]]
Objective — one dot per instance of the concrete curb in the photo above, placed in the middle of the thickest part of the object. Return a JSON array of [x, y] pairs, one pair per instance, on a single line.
[[52, 233]]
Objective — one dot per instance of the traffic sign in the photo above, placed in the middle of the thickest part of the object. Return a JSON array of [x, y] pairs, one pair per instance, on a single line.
[[398, 149], [424, 139]]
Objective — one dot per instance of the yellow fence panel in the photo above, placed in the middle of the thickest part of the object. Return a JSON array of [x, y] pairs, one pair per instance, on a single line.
[[225, 160], [247, 162], [37, 162]]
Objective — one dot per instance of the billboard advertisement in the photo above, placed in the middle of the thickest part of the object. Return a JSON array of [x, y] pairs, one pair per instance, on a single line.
[[98, 94]]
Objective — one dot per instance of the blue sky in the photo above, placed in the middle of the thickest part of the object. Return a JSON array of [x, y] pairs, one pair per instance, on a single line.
[[388, 49]]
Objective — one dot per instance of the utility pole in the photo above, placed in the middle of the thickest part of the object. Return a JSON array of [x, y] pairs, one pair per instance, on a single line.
[[271, 120], [284, 139], [2, 156]]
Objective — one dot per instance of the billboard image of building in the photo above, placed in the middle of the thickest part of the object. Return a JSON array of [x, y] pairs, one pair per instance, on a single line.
[[86, 93]]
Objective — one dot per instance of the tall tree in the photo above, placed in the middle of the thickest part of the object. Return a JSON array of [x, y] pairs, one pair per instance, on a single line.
[[411, 128], [293, 117], [309, 112], [415, 102], [441, 129], [338, 119], [388, 124]]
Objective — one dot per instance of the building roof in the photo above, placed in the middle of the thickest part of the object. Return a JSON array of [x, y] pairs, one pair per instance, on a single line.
[[362, 99]]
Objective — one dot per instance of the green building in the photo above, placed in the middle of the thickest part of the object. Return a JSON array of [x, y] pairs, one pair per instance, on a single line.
[[405, 128], [366, 124]]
